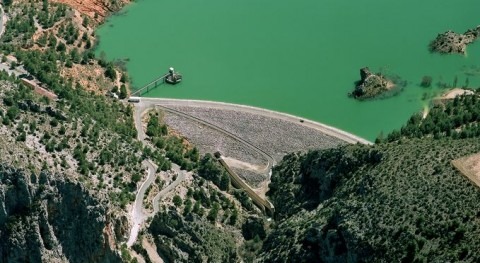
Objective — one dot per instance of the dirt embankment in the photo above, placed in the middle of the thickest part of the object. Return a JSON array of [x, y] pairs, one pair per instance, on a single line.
[[90, 75], [97, 9]]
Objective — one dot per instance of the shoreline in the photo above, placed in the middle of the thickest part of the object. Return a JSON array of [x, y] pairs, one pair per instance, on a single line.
[[454, 92], [326, 129]]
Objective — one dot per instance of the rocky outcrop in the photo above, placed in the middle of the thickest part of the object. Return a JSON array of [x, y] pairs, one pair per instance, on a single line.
[[93, 8], [191, 239], [371, 85], [451, 42], [46, 218]]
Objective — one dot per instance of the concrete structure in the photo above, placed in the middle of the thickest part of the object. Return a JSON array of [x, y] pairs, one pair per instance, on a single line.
[[171, 77], [264, 205]]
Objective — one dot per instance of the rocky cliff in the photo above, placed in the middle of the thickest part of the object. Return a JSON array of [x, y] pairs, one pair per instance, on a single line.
[[46, 218], [191, 239]]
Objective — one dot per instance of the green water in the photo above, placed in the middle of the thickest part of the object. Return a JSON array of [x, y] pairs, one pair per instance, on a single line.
[[299, 57]]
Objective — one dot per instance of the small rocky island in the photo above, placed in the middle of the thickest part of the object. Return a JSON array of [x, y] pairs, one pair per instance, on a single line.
[[371, 85], [451, 42]]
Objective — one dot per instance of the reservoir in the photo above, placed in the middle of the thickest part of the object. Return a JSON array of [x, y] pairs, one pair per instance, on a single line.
[[298, 57]]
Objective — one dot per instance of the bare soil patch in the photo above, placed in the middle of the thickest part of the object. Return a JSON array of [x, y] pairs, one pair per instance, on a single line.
[[90, 77], [455, 92], [232, 162], [469, 166]]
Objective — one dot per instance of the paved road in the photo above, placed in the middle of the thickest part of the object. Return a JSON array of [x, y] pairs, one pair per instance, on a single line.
[[151, 251], [139, 110], [3, 20], [180, 177], [270, 160], [138, 215]]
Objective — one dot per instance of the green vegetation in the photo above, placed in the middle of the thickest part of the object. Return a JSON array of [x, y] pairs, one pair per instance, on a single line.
[[211, 170], [191, 240], [176, 150], [154, 128], [458, 119], [397, 201], [177, 200], [96, 131]]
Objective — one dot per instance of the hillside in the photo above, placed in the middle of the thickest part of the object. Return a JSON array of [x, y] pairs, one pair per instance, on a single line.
[[77, 163], [72, 164], [96, 9], [48, 218], [395, 201]]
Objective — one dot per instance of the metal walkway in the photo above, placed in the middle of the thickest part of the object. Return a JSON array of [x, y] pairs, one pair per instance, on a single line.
[[152, 85]]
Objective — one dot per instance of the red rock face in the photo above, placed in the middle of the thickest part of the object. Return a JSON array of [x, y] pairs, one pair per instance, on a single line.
[[92, 7]]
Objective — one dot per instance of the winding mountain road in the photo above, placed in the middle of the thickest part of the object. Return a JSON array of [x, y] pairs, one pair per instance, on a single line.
[[263, 202], [138, 216], [181, 175]]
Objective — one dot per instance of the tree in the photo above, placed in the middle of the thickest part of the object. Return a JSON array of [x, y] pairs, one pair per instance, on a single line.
[[253, 226], [213, 213], [50, 147], [85, 21], [13, 65], [115, 89], [123, 92], [155, 129], [110, 72], [193, 154], [52, 40], [62, 130], [224, 184], [136, 178], [12, 113], [196, 208], [209, 169], [177, 200], [124, 78], [75, 56], [61, 47], [233, 218], [188, 207], [22, 137]]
